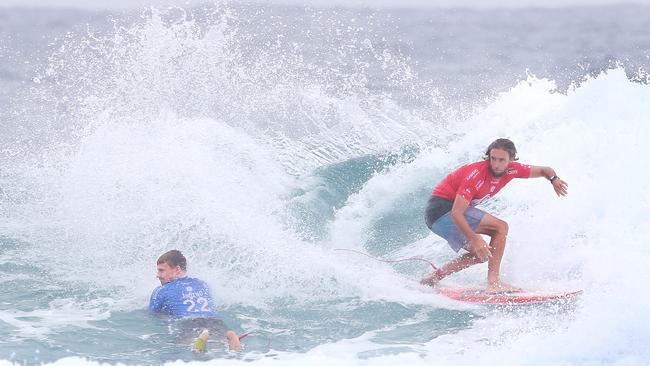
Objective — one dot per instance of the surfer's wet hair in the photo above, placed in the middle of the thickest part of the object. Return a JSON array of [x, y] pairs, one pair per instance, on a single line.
[[502, 144], [173, 258]]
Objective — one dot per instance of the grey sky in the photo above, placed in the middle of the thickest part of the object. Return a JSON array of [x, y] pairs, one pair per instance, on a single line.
[[121, 4]]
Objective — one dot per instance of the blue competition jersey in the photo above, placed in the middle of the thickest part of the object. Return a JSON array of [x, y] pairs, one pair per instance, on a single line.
[[183, 297]]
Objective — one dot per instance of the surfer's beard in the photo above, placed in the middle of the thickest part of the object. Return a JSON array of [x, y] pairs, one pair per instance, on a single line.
[[499, 175]]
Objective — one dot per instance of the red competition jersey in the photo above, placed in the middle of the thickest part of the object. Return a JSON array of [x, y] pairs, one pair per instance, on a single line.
[[476, 183]]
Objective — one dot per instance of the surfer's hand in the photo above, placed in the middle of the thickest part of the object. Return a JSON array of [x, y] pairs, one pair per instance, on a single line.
[[560, 187], [480, 248]]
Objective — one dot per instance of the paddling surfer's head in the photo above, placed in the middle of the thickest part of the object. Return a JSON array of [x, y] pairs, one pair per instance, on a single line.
[[500, 153], [170, 266]]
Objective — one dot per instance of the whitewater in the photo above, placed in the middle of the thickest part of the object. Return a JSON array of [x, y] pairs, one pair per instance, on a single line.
[[259, 140]]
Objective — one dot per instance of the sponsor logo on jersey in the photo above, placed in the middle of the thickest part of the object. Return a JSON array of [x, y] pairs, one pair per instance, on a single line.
[[193, 294], [471, 175]]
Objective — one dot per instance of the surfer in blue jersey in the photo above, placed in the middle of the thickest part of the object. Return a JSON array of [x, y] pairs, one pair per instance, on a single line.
[[188, 302]]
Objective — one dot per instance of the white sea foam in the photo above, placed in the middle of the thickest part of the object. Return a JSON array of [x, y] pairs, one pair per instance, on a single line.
[[152, 147], [593, 239], [215, 186]]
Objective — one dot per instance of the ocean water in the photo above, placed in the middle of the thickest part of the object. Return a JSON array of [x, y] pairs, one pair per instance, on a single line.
[[259, 140]]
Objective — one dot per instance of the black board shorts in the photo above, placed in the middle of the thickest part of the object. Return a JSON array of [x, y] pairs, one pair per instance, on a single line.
[[436, 208]]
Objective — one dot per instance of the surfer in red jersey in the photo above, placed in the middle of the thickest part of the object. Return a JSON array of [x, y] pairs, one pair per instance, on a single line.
[[451, 211]]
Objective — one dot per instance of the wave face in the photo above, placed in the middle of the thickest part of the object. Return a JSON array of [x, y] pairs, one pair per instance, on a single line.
[[258, 140]]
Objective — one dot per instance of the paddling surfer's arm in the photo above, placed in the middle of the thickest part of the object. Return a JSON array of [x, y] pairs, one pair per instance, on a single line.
[[559, 185], [478, 245]]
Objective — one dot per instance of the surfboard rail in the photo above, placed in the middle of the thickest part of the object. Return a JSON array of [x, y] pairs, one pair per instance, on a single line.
[[478, 295]]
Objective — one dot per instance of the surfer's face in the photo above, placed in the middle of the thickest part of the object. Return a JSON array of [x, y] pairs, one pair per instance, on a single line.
[[499, 160], [166, 273]]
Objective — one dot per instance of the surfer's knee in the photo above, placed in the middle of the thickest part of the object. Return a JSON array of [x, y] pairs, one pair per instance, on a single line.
[[501, 227]]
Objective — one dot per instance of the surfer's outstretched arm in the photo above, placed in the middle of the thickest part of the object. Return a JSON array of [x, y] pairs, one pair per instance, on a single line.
[[476, 245], [559, 185]]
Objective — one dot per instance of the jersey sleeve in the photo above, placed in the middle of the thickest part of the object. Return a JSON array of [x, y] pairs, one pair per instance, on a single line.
[[156, 301], [520, 170]]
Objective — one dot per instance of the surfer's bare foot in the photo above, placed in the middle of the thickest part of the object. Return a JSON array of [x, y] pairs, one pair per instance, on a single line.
[[432, 279], [201, 342], [233, 341], [501, 287]]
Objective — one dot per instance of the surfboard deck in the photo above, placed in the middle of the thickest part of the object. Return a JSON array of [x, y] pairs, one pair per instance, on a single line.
[[479, 295]]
